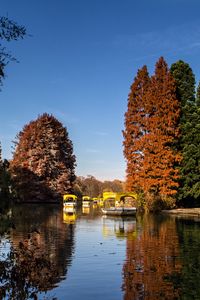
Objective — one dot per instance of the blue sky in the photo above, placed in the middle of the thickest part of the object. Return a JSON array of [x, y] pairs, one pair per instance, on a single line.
[[79, 63]]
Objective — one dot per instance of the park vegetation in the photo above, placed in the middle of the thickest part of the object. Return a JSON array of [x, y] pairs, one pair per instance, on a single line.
[[43, 164], [161, 136], [93, 187], [161, 142]]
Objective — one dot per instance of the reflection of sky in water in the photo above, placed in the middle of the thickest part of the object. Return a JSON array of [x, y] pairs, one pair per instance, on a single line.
[[98, 257], [4, 248], [97, 264]]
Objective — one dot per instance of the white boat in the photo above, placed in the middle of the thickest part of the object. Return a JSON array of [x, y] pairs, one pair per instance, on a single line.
[[119, 211]]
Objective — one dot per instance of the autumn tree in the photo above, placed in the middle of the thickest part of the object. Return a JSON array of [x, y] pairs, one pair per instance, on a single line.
[[9, 31], [150, 130], [160, 157], [43, 164], [94, 188], [188, 143], [136, 129], [112, 186]]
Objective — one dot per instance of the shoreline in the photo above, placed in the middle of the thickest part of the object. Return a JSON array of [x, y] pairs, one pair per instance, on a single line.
[[193, 212]]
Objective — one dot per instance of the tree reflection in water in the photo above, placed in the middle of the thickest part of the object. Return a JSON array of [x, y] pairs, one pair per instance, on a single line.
[[153, 267], [25, 271], [40, 253]]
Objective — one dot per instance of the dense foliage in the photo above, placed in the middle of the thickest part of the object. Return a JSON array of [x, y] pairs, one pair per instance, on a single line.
[[94, 188], [189, 140], [151, 127], [43, 163], [136, 132], [198, 95]]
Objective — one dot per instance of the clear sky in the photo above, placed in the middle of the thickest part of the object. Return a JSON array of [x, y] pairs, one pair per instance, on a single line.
[[79, 63]]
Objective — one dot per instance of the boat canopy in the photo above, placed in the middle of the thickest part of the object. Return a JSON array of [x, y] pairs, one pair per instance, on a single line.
[[86, 198], [109, 195], [69, 197]]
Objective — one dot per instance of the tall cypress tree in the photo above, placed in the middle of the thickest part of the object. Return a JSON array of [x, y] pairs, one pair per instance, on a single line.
[[150, 129], [159, 157], [189, 191], [135, 129]]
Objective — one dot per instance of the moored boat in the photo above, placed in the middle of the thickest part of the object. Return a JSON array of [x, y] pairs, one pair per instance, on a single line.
[[69, 201], [86, 201], [119, 211]]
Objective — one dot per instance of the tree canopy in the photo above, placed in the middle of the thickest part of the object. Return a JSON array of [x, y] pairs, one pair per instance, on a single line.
[[43, 164], [151, 126], [189, 139]]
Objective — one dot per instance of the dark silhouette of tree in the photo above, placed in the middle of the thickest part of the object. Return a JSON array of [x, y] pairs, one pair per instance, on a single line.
[[4, 183], [9, 31], [43, 163]]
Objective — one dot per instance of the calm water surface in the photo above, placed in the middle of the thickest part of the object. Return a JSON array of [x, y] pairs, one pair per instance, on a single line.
[[48, 254]]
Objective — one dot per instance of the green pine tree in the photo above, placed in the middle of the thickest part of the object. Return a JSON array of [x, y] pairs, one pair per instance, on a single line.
[[188, 143], [198, 95]]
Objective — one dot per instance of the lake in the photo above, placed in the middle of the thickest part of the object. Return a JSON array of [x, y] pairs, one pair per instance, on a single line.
[[48, 254]]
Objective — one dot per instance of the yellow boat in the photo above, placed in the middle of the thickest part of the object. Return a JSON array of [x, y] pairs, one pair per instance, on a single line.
[[69, 202], [95, 200], [86, 201]]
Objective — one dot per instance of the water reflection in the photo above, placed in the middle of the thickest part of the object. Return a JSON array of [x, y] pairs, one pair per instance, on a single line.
[[69, 217], [120, 227], [153, 267], [91, 211], [41, 249], [143, 257], [189, 239]]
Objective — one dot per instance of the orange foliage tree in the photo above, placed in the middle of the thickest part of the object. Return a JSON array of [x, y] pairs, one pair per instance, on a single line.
[[151, 127], [43, 163], [136, 129]]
